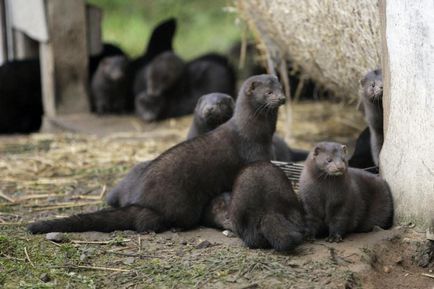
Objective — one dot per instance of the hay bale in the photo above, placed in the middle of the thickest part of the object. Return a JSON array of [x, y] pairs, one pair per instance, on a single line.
[[334, 42]]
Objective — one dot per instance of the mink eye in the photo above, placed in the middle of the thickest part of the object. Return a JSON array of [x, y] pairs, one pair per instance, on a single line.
[[268, 92], [329, 160]]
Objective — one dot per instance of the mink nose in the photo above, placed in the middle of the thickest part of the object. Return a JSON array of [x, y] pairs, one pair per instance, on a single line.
[[281, 99], [340, 167], [209, 110]]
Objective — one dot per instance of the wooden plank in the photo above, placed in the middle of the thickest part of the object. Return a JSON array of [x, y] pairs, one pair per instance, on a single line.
[[3, 45], [64, 59], [407, 156]]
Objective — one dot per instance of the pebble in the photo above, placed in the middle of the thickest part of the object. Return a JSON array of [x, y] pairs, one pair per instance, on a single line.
[[129, 260], [228, 233], [203, 244], [56, 237], [45, 277], [386, 269]]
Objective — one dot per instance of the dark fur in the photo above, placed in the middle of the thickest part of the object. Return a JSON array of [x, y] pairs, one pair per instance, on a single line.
[[372, 101], [107, 51], [20, 97], [216, 213], [216, 108], [264, 209], [170, 88], [160, 41], [283, 153], [211, 111], [339, 200], [362, 156], [173, 189], [110, 87]]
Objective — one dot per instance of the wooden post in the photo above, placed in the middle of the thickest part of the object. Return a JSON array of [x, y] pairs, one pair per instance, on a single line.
[[3, 47], [94, 33], [64, 59], [407, 156]]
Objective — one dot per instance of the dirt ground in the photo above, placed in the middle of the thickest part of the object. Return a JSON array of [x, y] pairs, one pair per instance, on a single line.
[[51, 175]]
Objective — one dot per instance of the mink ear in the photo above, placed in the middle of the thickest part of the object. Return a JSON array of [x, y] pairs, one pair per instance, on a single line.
[[344, 148], [316, 151], [252, 87], [363, 81]]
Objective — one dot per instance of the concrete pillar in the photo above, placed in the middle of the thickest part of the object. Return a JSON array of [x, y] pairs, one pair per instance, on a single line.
[[407, 157]]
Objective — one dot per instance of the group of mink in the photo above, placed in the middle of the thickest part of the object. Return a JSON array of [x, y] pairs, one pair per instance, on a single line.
[[221, 175]]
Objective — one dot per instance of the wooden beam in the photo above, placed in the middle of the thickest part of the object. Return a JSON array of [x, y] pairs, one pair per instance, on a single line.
[[407, 156], [3, 46], [64, 59]]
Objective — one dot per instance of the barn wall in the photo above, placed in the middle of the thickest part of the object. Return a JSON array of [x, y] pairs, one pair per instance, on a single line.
[[407, 157]]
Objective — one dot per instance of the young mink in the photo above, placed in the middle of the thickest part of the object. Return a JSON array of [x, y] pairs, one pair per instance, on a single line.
[[339, 200], [214, 109], [264, 209], [372, 101], [110, 87], [172, 190], [161, 78], [168, 87]]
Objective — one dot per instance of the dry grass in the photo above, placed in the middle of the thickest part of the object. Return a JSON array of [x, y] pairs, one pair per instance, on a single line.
[[333, 42]]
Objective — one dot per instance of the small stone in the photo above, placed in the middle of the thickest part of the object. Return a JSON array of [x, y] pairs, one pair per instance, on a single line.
[[129, 260], [228, 233], [430, 270], [203, 244], [56, 237], [45, 277], [83, 257], [386, 269], [406, 240], [183, 242], [399, 260], [377, 229]]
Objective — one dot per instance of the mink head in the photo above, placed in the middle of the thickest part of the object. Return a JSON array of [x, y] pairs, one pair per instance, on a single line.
[[372, 85], [114, 67], [330, 158], [162, 73], [263, 92], [214, 109]]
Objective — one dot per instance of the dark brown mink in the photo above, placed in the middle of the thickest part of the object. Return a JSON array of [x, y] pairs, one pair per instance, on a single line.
[[264, 209], [172, 87], [110, 86], [372, 108], [173, 189], [154, 82], [339, 200]]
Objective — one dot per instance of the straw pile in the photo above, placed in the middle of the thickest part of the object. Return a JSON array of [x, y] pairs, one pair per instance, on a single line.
[[333, 42]]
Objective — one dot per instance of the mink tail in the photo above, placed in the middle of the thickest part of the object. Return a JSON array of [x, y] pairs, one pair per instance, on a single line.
[[131, 217], [280, 233]]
